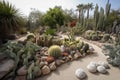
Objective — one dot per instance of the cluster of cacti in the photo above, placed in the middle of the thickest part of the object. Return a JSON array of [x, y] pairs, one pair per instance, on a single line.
[[92, 35], [48, 40], [117, 39], [101, 17], [55, 51], [84, 48], [21, 54], [106, 37]]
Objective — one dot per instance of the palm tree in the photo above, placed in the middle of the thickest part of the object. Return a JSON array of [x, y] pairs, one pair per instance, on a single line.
[[10, 19], [79, 9], [89, 6]]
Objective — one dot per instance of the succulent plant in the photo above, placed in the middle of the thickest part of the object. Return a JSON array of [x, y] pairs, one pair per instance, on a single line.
[[55, 51]]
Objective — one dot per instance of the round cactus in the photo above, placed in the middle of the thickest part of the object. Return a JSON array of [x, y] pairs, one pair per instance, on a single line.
[[55, 51]]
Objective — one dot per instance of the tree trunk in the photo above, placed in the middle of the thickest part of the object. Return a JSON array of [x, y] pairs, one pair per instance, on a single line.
[[88, 14]]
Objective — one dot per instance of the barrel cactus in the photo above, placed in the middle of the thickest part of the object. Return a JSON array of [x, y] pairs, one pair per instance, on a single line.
[[55, 51]]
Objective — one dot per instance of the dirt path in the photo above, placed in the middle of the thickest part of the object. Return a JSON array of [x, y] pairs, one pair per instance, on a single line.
[[67, 71]]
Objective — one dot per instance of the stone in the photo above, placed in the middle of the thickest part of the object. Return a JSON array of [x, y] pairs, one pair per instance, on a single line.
[[101, 69], [91, 48], [20, 78], [52, 66], [80, 73], [45, 70], [42, 63], [70, 57], [92, 68], [62, 48], [5, 67], [94, 63], [43, 58], [76, 56], [59, 62], [105, 64], [22, 71]]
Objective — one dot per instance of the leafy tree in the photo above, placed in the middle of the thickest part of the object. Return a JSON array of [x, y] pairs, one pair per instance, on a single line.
[[34, 19], [10, 19], [53, 17]]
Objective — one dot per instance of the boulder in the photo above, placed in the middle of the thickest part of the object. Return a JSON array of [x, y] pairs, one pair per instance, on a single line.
[[76, 56], [52, 66], [45, 70], [80, 73], [94, 63], [22, 71], [92, 68], [101, 69], [20, 78], [105, 64], [59, 62], [5, 67]]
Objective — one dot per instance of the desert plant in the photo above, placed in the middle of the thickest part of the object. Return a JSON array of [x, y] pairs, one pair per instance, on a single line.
[[113, 51], [10, 19], [55, 51], [106, 37]]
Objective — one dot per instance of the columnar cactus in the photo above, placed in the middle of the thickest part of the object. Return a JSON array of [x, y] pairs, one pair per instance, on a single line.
[[96, 16], [101, 19]]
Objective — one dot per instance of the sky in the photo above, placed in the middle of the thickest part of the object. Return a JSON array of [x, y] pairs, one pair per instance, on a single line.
[[44, 5]]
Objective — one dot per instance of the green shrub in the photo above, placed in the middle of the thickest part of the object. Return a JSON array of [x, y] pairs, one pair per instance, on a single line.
[[54, 51]]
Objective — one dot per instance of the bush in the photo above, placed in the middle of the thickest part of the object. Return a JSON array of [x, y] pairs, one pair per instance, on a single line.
[[55, 51]]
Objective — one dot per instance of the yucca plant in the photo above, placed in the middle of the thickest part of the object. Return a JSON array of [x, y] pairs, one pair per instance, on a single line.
[[10, 19]]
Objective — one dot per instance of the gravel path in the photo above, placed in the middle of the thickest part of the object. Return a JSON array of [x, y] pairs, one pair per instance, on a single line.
[[67, 70]]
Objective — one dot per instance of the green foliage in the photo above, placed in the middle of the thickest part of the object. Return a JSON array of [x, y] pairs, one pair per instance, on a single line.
[[34, 19], [50, 31], [54, 51], [10, 19], [85, 48], [54, 16]]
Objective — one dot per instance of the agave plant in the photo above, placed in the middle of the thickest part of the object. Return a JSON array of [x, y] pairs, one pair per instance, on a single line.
[[10, 19]]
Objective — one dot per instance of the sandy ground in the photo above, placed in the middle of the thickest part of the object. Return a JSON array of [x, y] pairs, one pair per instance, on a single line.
[[67, 70]]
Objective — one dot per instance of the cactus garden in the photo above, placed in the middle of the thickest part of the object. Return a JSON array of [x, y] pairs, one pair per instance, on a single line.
[[57, 42]]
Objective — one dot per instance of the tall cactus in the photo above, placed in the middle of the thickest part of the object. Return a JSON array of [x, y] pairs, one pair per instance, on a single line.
[[96, 16], [107, 10], [101, 19]]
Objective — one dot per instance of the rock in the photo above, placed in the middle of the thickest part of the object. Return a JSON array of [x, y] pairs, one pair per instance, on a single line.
[[50, 59], [92, 68], [52, 66], [80, 73], [62, 48], [22, 71], [94, 63], [5, 67], [42, 63], [91, 48], [20, 78], [2, 57], [59, 62], [76, 56], [101, 69], [43, 58], [70, 57], [45, 70], [105, 64]]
